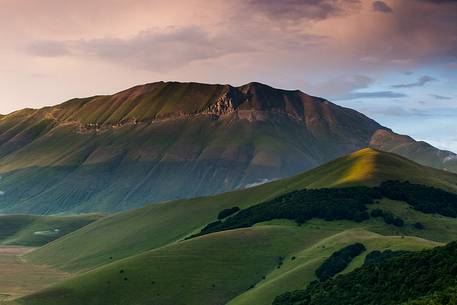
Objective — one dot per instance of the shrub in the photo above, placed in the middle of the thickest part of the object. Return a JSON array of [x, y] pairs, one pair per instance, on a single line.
[[338, 261], [419, 226]]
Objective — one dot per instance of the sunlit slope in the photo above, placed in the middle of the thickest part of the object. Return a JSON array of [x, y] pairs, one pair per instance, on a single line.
[[28, 230], [219, 267], [132, 232], [370, 167]]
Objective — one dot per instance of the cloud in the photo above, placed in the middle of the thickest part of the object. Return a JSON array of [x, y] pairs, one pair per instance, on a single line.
[[419, 83], [373, 95], [381, 6], [154, 49], [298, 10], [339, 87], [47, 48], [441, 97], [440, 1]]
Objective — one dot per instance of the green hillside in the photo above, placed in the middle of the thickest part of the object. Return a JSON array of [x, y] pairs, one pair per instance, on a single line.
[[125, 234], [28, 230], [240, 265], [141, 256], [142, 145]]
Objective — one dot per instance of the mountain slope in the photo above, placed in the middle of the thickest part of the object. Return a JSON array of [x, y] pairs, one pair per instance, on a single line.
[[145, 144], [125, 234]]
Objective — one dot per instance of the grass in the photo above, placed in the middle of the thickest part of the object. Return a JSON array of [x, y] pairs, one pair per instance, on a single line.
[[33, 231], [184, 272], [239, 265]]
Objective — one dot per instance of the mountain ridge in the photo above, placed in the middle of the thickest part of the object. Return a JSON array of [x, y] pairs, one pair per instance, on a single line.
[[144, 144]]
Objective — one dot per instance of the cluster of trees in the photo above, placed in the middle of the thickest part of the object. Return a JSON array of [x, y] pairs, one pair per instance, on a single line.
[[337, 204], [389, 218], [397, 280], [328, 204], [447, 297], [338, 261], [423, 198], [378, 257]]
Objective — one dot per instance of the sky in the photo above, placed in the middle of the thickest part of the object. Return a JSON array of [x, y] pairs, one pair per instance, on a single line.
[[393, 60]]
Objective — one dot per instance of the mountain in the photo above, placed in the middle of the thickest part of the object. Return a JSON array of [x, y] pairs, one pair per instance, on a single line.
[[168, 140], [142, 256]]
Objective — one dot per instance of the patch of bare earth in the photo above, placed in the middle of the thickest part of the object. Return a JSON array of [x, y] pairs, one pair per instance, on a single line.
[[19, 278]]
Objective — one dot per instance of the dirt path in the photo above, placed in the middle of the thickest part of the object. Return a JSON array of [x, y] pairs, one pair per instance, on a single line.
[[18, 278]]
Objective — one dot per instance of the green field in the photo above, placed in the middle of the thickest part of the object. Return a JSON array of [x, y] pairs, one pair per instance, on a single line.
[[221, 267]]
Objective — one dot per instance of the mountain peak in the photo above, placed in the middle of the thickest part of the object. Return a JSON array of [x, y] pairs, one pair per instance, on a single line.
[[165, 100]]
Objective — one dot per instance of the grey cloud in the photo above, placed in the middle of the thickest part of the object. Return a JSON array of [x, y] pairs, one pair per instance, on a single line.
[[440, 1], [443, 112], [340, 87], [419, 83], [151, 49], [373, 95], [381, 6], [294, 10], [440, 97], [47, 48]]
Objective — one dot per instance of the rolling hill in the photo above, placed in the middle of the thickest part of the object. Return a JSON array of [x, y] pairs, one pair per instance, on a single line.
[[146, 144], [140, 256], [216, 268], [124, 234]]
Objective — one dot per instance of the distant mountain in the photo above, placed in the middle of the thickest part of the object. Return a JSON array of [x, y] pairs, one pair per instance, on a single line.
[[169, 140]]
